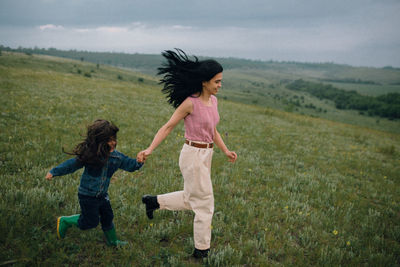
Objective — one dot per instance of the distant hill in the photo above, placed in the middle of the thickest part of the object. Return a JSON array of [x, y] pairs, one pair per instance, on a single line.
[[264, 83], [329, 72]]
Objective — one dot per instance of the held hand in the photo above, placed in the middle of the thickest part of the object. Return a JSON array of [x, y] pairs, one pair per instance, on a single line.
[[49, 176], [139, 157], [142, 155], [231, 155]]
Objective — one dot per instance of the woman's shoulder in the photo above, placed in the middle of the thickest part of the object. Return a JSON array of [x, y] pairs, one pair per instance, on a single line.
[[189, 100], [193, 97], [187, 105], [214, 99]]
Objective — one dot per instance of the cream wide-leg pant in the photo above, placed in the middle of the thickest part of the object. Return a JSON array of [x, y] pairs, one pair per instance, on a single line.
[[197, 194]]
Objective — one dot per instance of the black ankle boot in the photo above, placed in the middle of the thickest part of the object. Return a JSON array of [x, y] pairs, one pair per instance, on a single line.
[[151, 205], [199, 254]]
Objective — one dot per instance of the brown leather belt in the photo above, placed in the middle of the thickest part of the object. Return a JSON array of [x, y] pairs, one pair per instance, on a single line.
[[199, 145]]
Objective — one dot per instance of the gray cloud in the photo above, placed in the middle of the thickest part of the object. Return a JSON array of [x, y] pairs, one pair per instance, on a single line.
[[357, 32]]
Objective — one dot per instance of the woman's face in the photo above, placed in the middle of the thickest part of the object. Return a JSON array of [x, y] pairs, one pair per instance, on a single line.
[[212, 86]]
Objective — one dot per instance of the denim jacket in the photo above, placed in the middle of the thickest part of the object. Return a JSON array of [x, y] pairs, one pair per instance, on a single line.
[[95, 181]]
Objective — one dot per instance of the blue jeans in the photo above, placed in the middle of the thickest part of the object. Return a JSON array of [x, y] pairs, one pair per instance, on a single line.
[[95, 210]]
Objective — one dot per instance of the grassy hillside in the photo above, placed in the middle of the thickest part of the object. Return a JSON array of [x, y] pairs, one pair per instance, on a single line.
[[268, 90], [263, 83], [304, 191]]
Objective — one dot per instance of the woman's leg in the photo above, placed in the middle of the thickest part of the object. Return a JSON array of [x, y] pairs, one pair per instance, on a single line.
[[178, 200], [173, 201], [195, 165]]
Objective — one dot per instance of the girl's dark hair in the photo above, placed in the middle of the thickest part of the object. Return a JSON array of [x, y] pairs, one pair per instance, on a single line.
[[94, 150], [183, 77]]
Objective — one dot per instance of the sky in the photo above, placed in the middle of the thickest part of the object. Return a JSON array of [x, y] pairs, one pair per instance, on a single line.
[[353, 32]]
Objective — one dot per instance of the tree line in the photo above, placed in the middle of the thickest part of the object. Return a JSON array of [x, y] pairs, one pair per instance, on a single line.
[[387, 105], [150, 63], [142, 62]]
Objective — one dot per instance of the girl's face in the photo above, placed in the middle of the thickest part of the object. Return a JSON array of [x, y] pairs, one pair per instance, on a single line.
[[112, 143], [212, 86]]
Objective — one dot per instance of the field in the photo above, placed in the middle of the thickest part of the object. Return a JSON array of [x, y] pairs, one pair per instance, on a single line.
[[263, 83], [304, 192], [266, 89]]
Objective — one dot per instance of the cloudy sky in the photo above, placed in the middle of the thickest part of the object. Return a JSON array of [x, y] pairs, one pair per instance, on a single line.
[[355, 32]]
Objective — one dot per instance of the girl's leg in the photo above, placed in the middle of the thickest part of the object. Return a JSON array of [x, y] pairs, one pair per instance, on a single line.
[[106, 214], [89, 212], [65, 222], [89, 217], [106, 219]]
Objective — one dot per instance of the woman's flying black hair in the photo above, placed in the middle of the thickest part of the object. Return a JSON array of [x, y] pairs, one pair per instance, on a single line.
[[183, 77]]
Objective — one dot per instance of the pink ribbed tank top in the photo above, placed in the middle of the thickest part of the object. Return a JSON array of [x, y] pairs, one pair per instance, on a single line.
[[200, 124]]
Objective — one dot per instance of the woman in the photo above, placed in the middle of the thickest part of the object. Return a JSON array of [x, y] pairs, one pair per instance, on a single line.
[[191, 86]]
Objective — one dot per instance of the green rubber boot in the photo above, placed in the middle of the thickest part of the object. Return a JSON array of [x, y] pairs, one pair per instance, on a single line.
[[65, 222], [112, 240]]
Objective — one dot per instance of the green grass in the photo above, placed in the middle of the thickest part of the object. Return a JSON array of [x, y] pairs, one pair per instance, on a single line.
[[304, 191], [264, 83], [267, 90]]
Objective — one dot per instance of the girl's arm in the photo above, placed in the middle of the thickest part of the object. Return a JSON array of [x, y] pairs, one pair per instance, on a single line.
[[180, 113], [129, 164], [220, 143], [64, 168]]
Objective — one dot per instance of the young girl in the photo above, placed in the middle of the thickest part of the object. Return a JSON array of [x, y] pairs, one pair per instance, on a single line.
[[191, 86], [98, 156]]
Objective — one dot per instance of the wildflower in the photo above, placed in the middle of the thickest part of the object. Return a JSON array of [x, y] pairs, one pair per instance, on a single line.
[[151, 224], [286, 207], [348, 243], [335, 232], [300, 212], [384, 177]]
